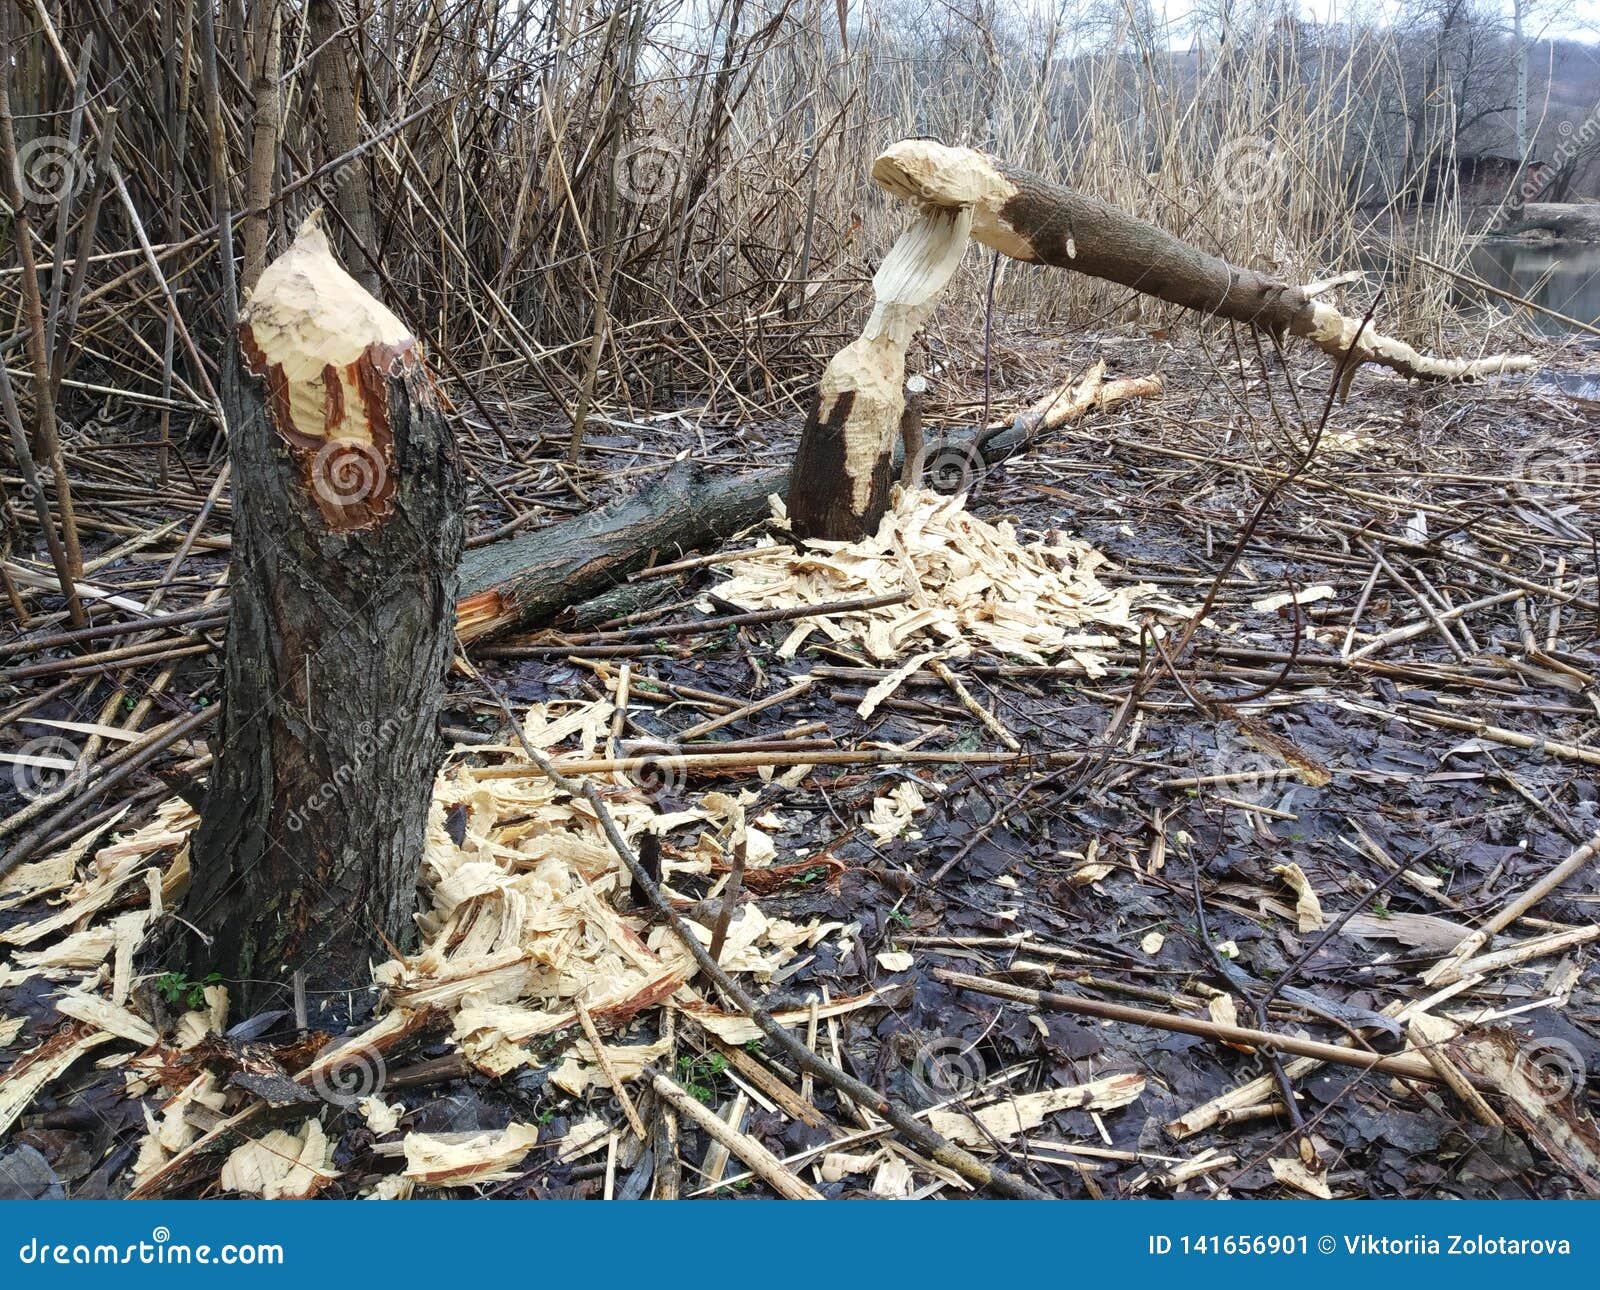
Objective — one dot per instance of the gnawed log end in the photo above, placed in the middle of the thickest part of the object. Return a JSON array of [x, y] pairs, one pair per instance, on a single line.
[[480, 613], [331, 356]]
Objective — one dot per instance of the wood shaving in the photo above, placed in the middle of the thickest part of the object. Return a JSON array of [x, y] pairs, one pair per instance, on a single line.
[[518, 921], [581, 1071], [1005, 1120], [1292, 1172], [458, 1159], [282, 1165], [974, 585], [1308, 909], [890, 814], [381, 1117]]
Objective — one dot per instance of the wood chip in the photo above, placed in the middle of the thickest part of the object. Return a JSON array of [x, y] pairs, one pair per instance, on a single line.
[[1005, 1120], [281, 1165], [1308, 909], [458, 1159]]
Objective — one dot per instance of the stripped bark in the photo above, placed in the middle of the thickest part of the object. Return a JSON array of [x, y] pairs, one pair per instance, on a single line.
[[1029, 218]]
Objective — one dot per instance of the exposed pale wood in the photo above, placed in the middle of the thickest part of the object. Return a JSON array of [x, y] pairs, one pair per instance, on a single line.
[[1029, 218], [843, 465]]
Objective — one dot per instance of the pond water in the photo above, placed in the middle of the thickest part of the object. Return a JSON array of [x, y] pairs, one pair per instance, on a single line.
[[1560, 276]]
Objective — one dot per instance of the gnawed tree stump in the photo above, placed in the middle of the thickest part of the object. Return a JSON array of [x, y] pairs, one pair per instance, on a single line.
[[525, 581], [347, 529], [843, 467], [1029, 218]]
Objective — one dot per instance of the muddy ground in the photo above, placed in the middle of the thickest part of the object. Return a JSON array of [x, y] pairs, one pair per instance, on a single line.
[[1390, 782]]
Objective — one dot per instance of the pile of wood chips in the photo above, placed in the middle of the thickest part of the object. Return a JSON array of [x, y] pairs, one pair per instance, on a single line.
[[522, 924], [971, 585], [525, 933]]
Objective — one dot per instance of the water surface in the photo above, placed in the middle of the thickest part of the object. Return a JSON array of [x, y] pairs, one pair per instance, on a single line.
[[1564, 276]]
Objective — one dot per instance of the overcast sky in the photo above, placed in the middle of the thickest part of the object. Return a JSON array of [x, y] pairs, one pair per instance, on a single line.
[[1577, 19]]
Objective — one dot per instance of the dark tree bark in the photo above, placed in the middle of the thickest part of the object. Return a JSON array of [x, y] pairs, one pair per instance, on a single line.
[[347, 531]]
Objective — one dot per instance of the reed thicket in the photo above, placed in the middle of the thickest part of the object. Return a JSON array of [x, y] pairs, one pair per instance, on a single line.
[[662, 201]]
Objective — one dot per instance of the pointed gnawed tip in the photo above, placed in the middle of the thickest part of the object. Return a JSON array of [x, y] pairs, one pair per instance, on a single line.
[[312, 223]]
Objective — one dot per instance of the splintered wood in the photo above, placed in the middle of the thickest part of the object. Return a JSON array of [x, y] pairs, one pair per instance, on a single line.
[[520, 914], [524, 934], [971, 585]]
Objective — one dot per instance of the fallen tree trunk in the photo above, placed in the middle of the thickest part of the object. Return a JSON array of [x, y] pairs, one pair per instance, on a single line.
[[1029, 218], [526, 580], [1560, 221], [347, 528], [529, 578]]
